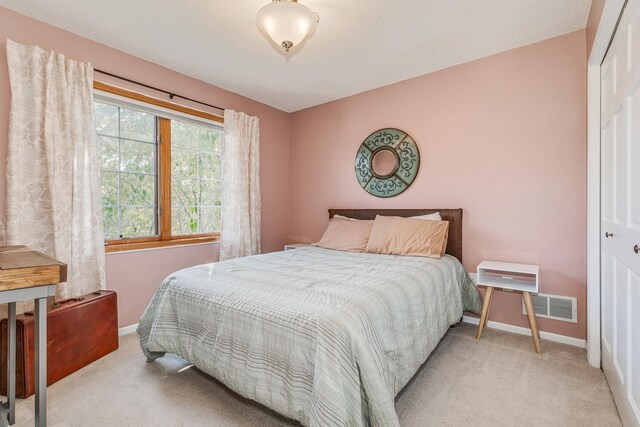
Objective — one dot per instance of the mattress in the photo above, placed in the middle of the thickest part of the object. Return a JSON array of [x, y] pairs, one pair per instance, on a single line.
[[324, 337]]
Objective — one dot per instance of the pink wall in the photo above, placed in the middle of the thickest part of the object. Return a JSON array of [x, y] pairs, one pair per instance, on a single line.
[[595, 13], [136, 275], [503, 137]]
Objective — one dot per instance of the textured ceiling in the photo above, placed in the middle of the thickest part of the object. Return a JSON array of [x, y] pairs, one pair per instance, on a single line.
[[358, 45]]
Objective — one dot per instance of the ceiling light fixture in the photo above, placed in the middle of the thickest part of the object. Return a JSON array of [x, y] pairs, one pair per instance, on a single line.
[[287, 22]]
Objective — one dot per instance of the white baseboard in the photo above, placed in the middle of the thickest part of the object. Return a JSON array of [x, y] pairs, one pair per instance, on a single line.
[[577, 342], [127, 330]]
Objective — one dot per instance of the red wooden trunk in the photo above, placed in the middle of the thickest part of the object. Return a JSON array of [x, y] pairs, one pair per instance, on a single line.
[[79, 331]]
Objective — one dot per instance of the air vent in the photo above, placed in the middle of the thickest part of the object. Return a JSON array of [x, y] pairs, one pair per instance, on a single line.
[[554, 307], [540, 305]]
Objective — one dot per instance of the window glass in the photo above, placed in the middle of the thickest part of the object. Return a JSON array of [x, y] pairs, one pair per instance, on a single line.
[[128, 156], [196, 178], [131, 167]]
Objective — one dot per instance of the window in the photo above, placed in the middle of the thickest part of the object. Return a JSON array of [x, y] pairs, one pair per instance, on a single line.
[[128, 151], [196, 179], [160, 171]]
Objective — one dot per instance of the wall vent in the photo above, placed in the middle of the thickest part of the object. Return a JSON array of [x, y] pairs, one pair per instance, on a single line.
[[554, 307]]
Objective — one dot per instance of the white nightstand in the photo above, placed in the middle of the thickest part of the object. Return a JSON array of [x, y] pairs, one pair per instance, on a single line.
[[295, 246], [520, 278]]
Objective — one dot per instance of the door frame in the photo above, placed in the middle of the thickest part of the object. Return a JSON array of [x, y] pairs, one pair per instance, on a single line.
[[606, 28]]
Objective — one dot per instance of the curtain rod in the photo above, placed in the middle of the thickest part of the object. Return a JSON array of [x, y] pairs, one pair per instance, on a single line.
[[171, 94]]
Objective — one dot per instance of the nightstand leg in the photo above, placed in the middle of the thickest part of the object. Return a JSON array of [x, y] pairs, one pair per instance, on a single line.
[[485, 311], [531, 315], [490, 298]]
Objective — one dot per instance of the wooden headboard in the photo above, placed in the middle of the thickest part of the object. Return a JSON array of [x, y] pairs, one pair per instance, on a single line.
[[454, 216]]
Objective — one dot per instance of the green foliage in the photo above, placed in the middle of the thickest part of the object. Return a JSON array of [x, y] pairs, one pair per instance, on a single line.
[[107, 119], [196, 178], [128, 158], [127, 152], [137, 125]]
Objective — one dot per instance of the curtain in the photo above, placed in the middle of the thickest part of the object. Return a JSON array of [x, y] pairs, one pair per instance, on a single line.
[[240, 186], [53, 200]]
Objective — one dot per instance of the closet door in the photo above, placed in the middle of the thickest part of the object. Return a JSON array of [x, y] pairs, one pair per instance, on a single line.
[[620, 215]]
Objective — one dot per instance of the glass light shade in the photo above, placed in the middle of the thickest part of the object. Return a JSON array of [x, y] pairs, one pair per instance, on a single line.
[[286, 22]]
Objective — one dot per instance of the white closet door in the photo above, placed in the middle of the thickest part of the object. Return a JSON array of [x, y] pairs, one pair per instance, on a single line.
[[620, 215]]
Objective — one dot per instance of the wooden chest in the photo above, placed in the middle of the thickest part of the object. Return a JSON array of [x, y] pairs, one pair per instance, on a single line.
[[79, 331]]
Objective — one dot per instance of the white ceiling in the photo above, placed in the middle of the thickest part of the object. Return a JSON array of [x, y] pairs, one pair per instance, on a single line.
[[358, 45]]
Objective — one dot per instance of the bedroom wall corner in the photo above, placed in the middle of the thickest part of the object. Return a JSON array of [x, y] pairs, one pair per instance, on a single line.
[[503, 137]]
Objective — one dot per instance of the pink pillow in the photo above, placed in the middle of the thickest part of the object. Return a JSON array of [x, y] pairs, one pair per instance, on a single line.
[[394, 235], [346, 235]]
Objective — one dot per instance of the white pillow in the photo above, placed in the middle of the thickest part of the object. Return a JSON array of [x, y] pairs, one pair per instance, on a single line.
[[433, 217], [346, 217]]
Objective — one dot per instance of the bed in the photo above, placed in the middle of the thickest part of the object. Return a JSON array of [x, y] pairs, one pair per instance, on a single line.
[[324, 337]]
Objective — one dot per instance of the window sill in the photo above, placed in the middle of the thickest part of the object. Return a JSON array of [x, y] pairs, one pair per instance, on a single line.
[[120, 247]]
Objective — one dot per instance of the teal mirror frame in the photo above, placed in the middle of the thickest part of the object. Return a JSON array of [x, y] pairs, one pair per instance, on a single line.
[[407, 156]]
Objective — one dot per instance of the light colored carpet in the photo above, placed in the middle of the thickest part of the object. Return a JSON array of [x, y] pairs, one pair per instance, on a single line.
[[497, 381]]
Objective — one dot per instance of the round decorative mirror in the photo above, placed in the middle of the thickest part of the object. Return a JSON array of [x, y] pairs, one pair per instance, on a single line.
[[387, 162], [384, 162]]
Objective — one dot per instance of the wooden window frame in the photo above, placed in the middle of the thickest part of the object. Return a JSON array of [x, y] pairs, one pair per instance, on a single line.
[[164, 238]]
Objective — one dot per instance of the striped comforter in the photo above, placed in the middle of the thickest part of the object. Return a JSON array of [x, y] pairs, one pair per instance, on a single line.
[[324, 337]]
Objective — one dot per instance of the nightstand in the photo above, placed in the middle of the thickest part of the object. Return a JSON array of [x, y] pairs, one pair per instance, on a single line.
[[295, 246], [518, 278]]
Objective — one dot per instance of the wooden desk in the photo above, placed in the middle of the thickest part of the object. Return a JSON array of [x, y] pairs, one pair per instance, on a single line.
[[26, 274]]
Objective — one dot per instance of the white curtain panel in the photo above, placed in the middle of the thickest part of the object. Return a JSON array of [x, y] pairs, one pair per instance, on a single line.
[[53, 200], [241, 186]]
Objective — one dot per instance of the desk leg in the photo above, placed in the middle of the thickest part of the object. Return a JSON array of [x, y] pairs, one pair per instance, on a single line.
[[41, 361], [11, 364]]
